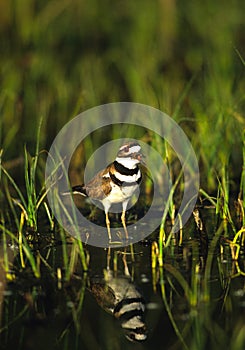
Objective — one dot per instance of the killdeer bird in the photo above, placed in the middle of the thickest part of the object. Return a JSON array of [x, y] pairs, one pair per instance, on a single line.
[[116, 183]]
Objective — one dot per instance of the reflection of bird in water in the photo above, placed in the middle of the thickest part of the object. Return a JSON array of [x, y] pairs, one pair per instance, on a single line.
[[120, 297]]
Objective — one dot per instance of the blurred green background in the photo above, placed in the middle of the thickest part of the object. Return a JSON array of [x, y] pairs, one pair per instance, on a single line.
[[61, 57]]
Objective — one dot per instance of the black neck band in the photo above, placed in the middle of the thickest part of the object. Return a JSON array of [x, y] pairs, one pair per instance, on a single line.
[[124, 170], [123, 183]]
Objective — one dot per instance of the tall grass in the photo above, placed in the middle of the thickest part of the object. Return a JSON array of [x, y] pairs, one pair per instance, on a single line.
[[61, 59], [241, 196], [28, 220], [30, 201]]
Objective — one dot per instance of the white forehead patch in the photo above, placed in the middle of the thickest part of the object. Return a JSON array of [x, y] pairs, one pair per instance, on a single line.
[[134, 149]]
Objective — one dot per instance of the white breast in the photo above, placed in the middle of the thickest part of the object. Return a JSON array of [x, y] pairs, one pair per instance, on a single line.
[[120, 194]]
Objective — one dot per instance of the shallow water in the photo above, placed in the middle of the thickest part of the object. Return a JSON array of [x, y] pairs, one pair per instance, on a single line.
[[52, 313]]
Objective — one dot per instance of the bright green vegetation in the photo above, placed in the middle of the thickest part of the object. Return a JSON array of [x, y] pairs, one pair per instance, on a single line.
[[186, 58], [61, 58]]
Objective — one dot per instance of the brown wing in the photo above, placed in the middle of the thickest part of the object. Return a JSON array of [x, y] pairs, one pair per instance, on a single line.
[[99, 187], [104, 296]]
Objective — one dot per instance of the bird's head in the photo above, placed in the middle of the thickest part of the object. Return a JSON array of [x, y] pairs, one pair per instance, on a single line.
[[130, 154]]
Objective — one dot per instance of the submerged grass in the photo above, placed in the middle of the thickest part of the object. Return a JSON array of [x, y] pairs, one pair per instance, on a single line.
[[199, 291], [25, 252]]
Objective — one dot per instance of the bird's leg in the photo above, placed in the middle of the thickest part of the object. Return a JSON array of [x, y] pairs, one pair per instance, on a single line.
[[124, 224], [124, 206], [108, 225], [124, 259], [108, 259]]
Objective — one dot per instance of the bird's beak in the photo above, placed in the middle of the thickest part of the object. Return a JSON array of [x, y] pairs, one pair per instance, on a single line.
[[140, 158]]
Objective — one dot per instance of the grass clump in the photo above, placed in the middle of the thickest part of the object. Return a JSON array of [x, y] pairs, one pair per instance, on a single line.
[[30, 201]]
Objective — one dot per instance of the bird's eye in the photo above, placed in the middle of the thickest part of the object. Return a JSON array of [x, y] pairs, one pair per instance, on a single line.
[[126, 149]]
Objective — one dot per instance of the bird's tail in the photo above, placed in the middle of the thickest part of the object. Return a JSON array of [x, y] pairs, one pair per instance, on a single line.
[[79, 189]]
